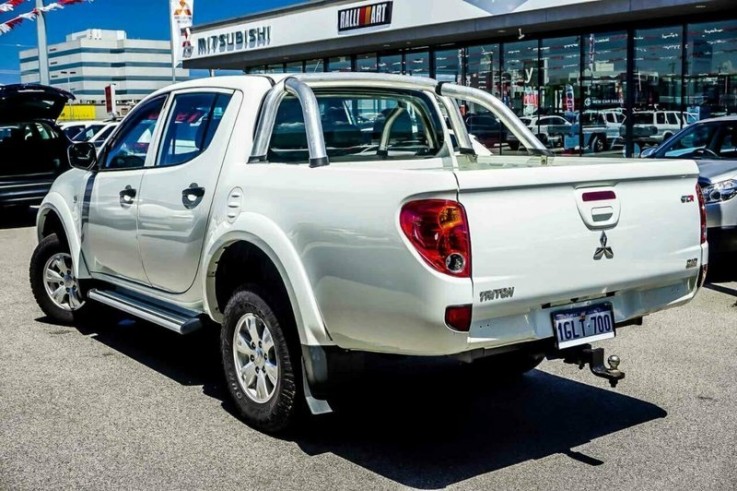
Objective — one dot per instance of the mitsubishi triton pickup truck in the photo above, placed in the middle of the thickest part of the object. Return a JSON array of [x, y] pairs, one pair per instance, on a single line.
[[318, 219]]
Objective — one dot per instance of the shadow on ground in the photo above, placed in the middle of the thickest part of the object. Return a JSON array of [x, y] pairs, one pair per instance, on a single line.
[[17, 217], [425, 424]]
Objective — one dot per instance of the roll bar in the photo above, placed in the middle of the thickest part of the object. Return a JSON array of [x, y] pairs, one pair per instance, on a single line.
[[310, 112], [299, 86]]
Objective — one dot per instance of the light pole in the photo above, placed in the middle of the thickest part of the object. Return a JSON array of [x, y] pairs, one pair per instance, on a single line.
[[69, 74]]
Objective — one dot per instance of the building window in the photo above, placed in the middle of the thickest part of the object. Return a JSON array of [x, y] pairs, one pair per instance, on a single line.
[[391, 64], [483, 70], [340, 64], [711, 78], [367, 63], [448, 65], [417, 63], [520, 88], [560, 92], [294, 67], [314, 66], [603, 86], [275, 68]]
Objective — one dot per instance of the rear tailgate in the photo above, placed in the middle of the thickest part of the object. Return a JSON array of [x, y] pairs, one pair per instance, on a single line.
[[577, 229]]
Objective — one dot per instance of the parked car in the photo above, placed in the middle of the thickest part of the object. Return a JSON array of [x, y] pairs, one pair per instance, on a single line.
[[713, 144], [80, 130], [103, 134], [549, 129], [312, 245], [653, 127], [33, 149], [487, 129]]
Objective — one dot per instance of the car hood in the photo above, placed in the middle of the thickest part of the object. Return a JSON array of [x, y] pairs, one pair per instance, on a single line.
[[717, 170], [25, 102]]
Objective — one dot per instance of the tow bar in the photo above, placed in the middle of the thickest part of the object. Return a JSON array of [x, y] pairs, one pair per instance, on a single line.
[[593, 357]]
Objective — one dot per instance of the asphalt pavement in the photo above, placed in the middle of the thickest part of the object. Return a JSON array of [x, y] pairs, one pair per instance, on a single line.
[[119, 404]]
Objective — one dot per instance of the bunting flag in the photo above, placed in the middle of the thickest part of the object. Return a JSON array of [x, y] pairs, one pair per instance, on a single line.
[[8, 6], [7, 26]]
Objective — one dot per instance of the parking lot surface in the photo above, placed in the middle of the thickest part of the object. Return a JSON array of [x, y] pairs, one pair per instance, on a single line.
[[119, 404]]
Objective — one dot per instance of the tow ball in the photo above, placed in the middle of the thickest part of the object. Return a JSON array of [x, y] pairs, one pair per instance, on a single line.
[[594, 357]]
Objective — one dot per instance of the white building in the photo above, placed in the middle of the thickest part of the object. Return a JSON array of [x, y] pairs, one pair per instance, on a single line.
[[90, 60]]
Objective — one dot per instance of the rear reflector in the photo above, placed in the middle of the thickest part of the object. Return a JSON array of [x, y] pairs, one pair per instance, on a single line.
[[598, 196], [458, 317]]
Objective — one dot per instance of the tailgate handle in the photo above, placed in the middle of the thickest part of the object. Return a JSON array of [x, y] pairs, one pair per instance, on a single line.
[[599, 207], [602, 213]]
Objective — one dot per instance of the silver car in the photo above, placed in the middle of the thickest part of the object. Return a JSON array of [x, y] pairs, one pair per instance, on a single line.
[[713, 144]]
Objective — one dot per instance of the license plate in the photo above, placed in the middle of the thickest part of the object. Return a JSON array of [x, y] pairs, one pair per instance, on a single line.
[[574, 327]]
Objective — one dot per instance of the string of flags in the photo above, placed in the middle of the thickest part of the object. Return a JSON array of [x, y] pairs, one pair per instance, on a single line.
[[8, 6]]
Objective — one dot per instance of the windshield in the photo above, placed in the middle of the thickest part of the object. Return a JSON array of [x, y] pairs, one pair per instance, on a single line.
[[715, 140]]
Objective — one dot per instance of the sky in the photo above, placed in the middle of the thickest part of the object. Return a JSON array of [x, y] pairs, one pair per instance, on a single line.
[[142, 19]]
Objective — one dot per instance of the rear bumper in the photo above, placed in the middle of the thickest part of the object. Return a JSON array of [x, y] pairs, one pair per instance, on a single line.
[[491, 333]]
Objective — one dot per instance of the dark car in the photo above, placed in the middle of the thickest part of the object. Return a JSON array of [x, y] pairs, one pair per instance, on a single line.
[[33, 150], [487, 129]]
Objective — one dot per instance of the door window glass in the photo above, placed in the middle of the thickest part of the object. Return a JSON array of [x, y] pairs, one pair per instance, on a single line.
[[131, 145], [191, 125], [659, 118]]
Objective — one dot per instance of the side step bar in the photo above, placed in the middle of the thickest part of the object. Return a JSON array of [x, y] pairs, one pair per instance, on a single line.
[[169, 316]]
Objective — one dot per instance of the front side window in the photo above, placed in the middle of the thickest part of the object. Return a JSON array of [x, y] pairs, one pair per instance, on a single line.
[[131, 144], [192, 123], [360, 126]]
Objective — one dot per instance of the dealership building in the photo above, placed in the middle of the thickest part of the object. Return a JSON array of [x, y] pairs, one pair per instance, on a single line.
[[675, 58]]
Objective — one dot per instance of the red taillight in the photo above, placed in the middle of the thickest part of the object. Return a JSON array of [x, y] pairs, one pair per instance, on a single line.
[[702, 209], [438, 229], [458, 317]]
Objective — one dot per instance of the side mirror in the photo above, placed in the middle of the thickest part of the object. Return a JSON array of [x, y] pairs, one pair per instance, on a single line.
[[82, 155]]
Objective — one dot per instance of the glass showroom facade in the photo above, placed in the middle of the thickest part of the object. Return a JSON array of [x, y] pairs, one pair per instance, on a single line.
[[604, 92]]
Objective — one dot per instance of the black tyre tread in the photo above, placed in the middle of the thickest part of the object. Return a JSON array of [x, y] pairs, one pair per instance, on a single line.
[[280, 413], [50, 245]]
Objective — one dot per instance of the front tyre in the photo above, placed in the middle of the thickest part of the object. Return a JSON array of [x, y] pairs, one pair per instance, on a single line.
[[56, 289], [261, 370]]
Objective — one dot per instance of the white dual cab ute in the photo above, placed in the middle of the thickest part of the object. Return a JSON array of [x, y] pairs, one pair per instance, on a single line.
[[317, 219]]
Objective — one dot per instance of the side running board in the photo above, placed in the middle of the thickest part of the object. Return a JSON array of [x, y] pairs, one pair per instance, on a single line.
[[169, 316]]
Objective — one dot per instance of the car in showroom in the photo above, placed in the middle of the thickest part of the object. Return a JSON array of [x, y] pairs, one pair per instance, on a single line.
[[654, 127], [713, 144], [33, 149]]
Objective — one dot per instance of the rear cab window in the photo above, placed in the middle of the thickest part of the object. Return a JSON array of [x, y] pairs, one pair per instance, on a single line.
[[360, 125]]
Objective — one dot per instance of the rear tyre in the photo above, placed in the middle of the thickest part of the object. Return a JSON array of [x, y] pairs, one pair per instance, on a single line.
[[508, 365], [261, 367], [56, 289], [513, 146]]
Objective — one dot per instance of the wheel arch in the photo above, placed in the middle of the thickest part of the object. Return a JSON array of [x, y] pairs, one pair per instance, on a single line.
[[54, 216], [238, 257]]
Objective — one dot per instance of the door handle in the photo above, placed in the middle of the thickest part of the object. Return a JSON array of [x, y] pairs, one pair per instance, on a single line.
[[127, 195], [192, 196]]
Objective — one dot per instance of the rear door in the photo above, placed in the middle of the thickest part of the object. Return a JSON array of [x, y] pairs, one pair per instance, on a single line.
[[177, 191]]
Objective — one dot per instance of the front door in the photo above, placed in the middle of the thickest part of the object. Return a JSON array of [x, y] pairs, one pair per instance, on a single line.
[[177, 191], [110, 235]]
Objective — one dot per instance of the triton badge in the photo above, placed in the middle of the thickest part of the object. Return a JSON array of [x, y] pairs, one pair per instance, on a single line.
[[604, 250]]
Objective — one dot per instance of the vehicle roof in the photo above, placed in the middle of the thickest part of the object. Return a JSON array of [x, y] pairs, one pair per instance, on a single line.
[[731, 117]]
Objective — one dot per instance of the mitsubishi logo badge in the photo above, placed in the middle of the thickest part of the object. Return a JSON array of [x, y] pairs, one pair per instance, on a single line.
[[603, 251]]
